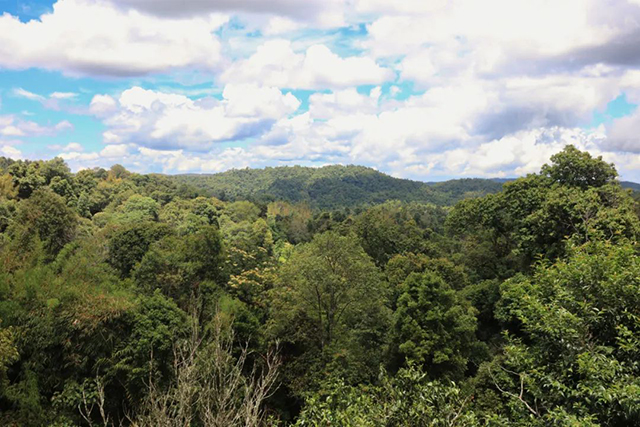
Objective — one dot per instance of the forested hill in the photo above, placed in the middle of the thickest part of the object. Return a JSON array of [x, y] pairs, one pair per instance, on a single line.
[[336, 186], [631, 185]]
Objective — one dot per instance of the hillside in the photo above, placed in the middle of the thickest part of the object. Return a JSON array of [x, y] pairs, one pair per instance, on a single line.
[[631, 185], [333, 187]]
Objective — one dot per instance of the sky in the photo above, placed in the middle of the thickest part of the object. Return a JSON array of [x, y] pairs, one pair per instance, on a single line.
[[420, 89]]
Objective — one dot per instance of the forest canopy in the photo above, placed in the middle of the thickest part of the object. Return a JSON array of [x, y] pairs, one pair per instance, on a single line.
[[336, 296]]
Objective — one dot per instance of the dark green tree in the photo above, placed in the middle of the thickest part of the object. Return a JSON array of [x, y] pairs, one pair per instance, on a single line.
[[330, 303], [435, 327], [45, 216], [129, 243], [573, 347]]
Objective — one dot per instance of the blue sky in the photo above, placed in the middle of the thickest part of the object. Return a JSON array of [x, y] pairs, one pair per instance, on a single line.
[[427, 90]]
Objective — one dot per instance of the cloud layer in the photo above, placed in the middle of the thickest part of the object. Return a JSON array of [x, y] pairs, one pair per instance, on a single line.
[[422, 89]]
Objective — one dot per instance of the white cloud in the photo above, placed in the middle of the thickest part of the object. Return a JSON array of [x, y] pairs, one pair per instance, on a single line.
[[516, 154], [181, 161], [168, 121], [400, 7], [102, 105], [13, 126], [624, 133], [22, 93], [496, 87], [516, 26], [74, 158], [70, 147], [326, 105], [114, 151], [63, 95], [276, 64], [94, 37], [55, 101], [8, 150], [426, 136]]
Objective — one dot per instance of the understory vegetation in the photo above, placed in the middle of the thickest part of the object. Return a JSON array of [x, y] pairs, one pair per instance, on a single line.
[[143, 300]]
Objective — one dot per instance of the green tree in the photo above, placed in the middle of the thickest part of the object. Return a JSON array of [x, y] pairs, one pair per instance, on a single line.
[[139, 208], [573, 346], [129, 243], [575, 168], [575, 198], [331, 301], [435, 327], [178, 266], [408, 399], [45, 215], [154, 325], [394, 228]]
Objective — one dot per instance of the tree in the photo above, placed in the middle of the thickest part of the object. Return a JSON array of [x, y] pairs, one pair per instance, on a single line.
[[29, 176], [331, 301], [573, 348], [7, 189], [178, 266], [394, 228], [154, 325], [212, 384], [575, 168], [188, 215], [575, 198], [128, 244], [139, 208], [45, 215], [434, 327], [408, 399]]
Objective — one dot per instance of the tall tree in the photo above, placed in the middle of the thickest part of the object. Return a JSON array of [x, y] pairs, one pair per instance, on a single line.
[[331, 301], [435, 327]]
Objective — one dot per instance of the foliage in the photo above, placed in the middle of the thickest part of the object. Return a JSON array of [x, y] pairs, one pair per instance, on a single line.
[[333, 187], [46, 217], [129, 299], [330, 301], [434, 327], [575, 343], [129, 243], [407, 399], [575, 198]]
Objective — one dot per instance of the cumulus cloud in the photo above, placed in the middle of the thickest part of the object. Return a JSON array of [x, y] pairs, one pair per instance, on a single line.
[[275, 63], [9, 150], [144, 159], [431, 135], [624, 134], [279, 25], [96, 38], [169, 121], [516, 154]]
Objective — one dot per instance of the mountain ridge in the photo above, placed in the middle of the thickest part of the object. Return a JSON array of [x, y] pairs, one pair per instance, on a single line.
[[339, 186]]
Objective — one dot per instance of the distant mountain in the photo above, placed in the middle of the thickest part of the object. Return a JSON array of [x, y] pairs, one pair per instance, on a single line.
[[632, 185], [333, 187]]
